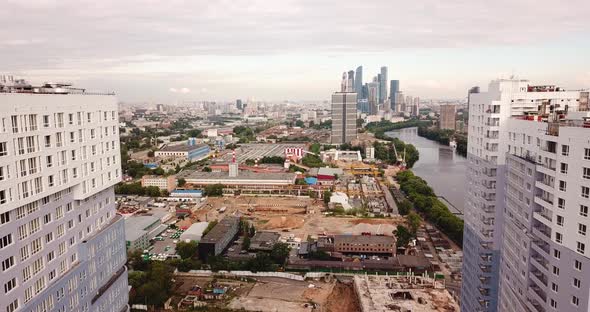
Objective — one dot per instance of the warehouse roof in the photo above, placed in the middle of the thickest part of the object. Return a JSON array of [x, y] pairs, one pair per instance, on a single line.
[[220, 229], [181, 147], [363, 239]]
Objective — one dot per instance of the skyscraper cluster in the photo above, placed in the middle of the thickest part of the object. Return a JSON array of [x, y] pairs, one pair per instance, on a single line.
[[527, 199], [383, 95]]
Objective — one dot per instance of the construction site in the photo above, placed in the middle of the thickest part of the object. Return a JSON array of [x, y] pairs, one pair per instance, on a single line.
[[408, 293]]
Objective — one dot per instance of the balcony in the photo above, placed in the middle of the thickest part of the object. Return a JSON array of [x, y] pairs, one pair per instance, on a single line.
[[537, 293], [541, 246], [486, 268], [486, 257], [538, 277], [484, 291], [534, 305], [542, 233], [541, 263], [544, 216]]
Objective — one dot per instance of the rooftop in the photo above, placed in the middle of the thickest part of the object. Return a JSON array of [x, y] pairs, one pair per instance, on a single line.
[[264, 240], [220, 229], [8, 84], [135, 226], [363, 239], [181, 147], [243, 175]]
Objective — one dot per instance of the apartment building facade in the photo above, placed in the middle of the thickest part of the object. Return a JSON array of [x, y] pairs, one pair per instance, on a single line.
[[486, 198], [545, 261], [62, 245]]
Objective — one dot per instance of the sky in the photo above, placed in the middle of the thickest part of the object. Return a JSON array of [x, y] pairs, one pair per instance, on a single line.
[[165, 51]]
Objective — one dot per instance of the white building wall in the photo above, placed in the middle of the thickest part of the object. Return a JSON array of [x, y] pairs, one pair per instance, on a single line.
[[485, 189], [58, 205]]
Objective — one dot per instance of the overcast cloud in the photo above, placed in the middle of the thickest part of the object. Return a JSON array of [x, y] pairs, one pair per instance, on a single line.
[[267, 49]]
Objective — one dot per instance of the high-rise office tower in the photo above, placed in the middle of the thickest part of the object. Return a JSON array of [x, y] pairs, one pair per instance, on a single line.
[[344, 105], [416, 107], [471, 91], [239, 104], [373, 97], [383, 85], [447, 117], [62, 245], [393, 95], [351, 84], [524, 239], [358, 82]]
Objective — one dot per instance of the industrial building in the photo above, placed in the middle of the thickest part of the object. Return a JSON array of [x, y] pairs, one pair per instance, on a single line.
[[194, 232], [244, 178], [264, 241], [58, 221], [219, 237], [139, 230], [189, 151]]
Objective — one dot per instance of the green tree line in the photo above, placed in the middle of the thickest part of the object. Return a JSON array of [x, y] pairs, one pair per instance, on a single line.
[[425, 201]]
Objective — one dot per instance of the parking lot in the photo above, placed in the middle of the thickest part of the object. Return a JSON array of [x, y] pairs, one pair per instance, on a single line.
[[166, 246]]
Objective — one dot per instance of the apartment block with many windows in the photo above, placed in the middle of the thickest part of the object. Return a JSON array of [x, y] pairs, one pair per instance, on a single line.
[[62, 245], [487, 185]]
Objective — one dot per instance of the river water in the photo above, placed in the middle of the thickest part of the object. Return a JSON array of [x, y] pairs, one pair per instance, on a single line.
[[440, 166]]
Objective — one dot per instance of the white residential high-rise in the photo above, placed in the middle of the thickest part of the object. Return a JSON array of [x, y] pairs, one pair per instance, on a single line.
[[545, 264], [496, 238], [62, 245]]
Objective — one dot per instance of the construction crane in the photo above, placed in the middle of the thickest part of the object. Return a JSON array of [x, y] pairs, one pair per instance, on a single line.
[[400, 160]]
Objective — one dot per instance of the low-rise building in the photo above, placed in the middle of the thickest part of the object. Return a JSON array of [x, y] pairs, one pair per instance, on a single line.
[[140, 229], [192, 152], [365, 244], [163, 183], [194, 232], [216, 240], [264, 241]]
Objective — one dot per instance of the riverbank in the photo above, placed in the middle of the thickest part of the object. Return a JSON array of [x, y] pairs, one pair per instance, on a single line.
[[444, 137], [442, 168], [425, 201]]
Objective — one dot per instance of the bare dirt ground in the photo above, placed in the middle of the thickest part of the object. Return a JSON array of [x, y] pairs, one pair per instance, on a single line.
[[277, 294], [342, 299]]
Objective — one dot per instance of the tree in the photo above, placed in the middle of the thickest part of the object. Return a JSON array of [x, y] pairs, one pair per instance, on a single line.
[[403, 236], [186, 250], [210, 226], [299, 123], [206, 169], [404, 207], [152, 191], [214, 190], [327, 195], [246, 242], [181, 182], [150, 153], [262, 262], [280, 252], [414, 221]]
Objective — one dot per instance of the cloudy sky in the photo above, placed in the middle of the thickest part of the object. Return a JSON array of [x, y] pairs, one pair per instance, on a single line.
[[292, 49]]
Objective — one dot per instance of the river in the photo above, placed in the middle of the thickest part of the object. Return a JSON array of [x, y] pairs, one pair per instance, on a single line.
[[438, 165]]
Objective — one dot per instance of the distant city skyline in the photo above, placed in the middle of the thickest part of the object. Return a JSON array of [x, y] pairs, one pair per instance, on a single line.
[[293, 50]]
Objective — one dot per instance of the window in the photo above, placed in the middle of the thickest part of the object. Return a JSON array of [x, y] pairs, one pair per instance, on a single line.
[[50, 256], [558, 237], [46, 121], [4, 217], [561, 203], [577, 265], [12, 306], [562, 186], [10, 285], [554, 287], [565, 150], [583, 210], [8, 263], [587, 153], [585, 192], [586, 173], [47, 218], [24, 253], [582, 229], [557, 254], [564, 168], [3, 149], [577, 283], [553, 304], [580, 247], [5, 241], [575, 300], [560, 220]]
